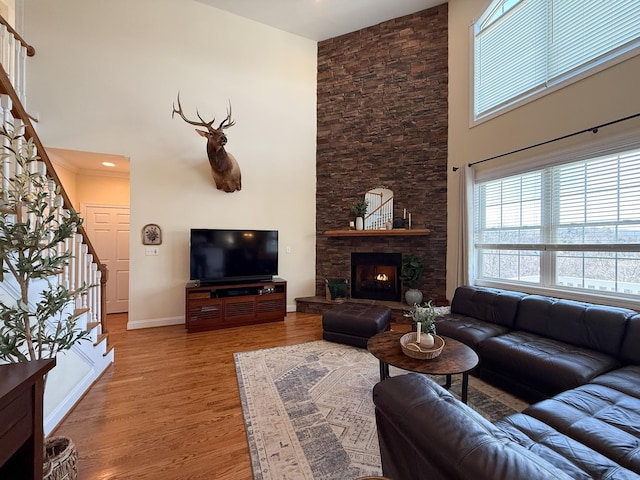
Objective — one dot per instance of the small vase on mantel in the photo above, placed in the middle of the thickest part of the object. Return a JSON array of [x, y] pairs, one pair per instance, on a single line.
[[359, 223]]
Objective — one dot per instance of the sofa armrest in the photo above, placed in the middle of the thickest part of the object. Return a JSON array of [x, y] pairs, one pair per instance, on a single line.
[[424, 432]]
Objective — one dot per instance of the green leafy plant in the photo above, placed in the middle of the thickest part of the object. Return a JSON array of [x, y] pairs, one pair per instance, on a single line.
[[338, 287], [426, 314], [412, 270], [359, 208], [32, 231]]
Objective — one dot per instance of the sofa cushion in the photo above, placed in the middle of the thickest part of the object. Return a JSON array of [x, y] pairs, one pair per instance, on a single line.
[[625, 379], [596, 327], [468, 330], [543, 364], [488, 304], [424, 432], [630, 351], [567, 454], [604, 416]]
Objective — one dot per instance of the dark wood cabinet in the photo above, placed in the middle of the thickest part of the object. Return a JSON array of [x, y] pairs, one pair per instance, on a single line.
[[21, 435], [232, 305]]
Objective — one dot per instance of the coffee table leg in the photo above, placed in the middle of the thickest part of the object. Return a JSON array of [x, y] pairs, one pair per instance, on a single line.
[[447, 385], [465, 387], [384, 370]]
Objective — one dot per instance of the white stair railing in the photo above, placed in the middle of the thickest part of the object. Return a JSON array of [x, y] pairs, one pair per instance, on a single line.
[[13, 54]]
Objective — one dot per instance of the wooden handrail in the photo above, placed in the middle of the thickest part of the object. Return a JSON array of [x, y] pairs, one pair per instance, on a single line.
[[18, 111], [30, 50]]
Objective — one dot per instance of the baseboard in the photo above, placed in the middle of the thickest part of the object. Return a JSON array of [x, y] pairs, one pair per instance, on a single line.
[[154, 322]]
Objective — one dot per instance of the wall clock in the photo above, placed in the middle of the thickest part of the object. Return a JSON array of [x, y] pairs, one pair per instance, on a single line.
[[151, 234]]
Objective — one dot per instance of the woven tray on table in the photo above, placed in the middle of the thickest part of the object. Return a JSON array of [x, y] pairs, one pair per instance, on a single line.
[[425, 353], [60, 459]]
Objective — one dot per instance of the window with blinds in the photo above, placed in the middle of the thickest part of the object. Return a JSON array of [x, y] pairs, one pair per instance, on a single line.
[[575, 226], [525, 48]]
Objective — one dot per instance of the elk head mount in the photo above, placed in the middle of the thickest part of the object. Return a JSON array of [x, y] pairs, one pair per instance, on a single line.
[[224, 167]]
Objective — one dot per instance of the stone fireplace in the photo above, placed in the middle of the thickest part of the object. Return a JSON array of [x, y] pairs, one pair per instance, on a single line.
[[382, 121], [376, 276]]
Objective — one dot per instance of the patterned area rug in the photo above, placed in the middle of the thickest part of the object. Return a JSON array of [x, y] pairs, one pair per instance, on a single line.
[[309, 413]]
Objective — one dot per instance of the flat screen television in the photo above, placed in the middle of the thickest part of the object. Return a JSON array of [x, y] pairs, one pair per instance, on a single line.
[[227, 256]]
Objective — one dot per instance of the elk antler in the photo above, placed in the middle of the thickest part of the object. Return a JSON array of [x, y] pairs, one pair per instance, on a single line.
[[201, 123], [228, 119]]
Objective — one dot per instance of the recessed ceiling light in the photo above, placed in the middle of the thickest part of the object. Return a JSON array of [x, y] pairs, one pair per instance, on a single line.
[[108, 164]]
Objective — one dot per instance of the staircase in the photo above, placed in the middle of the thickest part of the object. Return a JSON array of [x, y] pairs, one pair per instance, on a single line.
[[78, 368]]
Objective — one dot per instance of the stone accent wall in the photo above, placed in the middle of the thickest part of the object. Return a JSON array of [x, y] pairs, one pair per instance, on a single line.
[[382, 121]]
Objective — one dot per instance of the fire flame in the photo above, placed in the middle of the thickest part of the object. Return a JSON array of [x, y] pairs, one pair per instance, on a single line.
[[382, 277]]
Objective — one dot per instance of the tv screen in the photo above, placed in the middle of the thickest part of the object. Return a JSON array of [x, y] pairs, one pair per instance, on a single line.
[[218, 256]]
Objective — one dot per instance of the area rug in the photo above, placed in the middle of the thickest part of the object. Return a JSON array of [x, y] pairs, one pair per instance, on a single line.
[[309, 414]]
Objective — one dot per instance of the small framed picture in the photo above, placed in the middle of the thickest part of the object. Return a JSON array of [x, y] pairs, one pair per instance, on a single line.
[[151, 234]]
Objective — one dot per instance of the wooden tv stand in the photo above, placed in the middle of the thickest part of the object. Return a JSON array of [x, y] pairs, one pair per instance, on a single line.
[[209, 307]]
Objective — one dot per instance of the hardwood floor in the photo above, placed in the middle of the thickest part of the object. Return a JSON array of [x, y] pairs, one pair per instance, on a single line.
[[169, 408]]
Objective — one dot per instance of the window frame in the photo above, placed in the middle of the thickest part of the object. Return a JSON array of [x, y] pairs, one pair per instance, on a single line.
[[552, 84], [484, 173]]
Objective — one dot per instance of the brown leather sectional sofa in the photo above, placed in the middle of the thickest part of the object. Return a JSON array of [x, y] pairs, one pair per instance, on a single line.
[[580, 361]]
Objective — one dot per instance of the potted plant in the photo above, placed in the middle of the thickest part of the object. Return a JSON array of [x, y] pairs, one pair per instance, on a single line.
[[410, 275], [31, 232], [337, 289], [424, 317], [40, 321], [359, 210]]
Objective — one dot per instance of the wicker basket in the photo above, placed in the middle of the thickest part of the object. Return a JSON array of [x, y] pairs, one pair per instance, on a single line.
[[425, 353], [60, 459]]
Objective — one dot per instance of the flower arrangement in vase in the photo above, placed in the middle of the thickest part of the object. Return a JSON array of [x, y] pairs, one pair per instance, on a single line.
[[425, 318]]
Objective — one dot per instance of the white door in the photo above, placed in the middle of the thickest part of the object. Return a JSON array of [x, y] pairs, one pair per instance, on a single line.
[[108, 231]]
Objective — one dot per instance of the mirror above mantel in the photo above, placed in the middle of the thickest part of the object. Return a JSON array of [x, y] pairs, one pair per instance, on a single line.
[[380, 210]]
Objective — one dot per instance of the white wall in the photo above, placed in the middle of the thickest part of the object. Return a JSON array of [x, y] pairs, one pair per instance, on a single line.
[[104, 79], [601, 98]]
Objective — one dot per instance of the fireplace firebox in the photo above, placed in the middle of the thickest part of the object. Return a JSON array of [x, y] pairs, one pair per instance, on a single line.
[[376, 276]]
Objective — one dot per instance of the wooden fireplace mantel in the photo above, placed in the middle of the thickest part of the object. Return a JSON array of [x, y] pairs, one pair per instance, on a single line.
[[396, 232]]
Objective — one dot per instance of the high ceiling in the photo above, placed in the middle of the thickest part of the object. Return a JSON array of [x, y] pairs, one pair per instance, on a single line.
[[321, 19], [313, 19]]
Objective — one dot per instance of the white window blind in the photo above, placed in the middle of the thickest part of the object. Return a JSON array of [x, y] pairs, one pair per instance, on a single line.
[[575, 225], [538, 44]]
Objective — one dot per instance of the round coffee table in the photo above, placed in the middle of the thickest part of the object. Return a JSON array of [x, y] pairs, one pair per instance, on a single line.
[[455, 358]]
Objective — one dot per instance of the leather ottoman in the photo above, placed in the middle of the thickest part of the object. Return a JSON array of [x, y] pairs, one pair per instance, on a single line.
[[354, 323]]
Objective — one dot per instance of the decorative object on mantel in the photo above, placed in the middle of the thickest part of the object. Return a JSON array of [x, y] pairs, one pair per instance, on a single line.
[[359, 210], [224, 167], [410, 275], [396, 232], [151, 234], [399, 223], [336, 289], [380, 209]]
